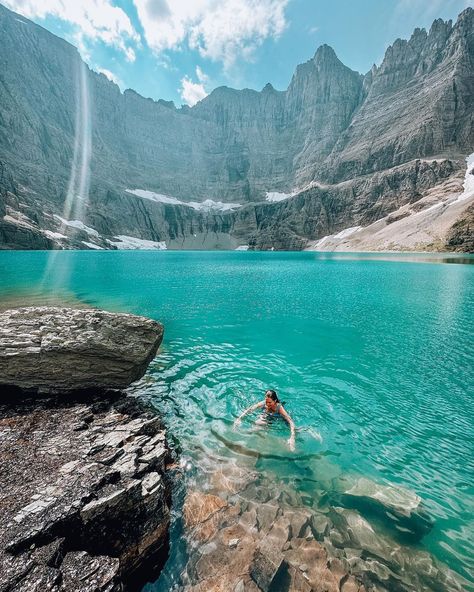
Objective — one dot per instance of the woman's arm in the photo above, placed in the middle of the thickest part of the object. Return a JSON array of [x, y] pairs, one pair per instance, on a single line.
[[291, 440], [249, 410]]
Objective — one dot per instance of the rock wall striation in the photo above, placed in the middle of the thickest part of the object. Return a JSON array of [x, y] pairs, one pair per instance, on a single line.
[[352, 145]]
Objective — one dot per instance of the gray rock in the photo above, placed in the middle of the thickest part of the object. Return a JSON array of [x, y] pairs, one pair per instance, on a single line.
[[82, 572], [461, 235], [57, 495], [266, 567], [399, 506], [60, 349]]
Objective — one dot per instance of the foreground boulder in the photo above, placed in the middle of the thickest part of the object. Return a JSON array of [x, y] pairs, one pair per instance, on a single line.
[[398, 506], [51, 349], [84, 496]]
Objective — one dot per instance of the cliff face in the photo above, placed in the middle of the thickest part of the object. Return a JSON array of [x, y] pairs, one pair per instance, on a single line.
[[350, 147], [419, 103]]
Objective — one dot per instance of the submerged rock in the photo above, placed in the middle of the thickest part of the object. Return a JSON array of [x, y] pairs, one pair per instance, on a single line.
[[259, 538], [378, 560], [397, 505], [266, 567], [52, 349], [234, 549], [84, 497]]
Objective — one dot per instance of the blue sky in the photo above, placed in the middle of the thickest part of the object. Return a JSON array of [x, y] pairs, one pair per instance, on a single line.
[[182, 49]]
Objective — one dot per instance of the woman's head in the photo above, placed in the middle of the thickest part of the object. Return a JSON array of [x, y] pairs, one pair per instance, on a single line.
[[271, 395]]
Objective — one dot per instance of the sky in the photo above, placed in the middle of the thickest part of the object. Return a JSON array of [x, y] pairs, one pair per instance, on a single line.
[[181, 50]]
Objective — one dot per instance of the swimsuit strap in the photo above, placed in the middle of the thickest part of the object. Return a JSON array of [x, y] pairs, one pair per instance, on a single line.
[[273, 412]]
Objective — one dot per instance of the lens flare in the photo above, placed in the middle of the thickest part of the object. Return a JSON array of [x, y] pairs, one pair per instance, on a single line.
[[77, 195]]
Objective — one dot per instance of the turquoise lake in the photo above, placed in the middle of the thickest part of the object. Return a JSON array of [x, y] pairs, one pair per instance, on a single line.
[[373, 353]]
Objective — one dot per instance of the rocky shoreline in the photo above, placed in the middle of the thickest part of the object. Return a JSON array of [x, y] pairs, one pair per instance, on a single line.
[[85, 499], [85, 496]]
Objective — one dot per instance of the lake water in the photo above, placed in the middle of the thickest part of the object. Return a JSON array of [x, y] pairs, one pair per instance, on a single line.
[[374, 353]]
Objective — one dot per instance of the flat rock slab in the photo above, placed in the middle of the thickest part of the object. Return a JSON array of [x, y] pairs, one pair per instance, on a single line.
[[399, 506], [84, 496], [53, 349]]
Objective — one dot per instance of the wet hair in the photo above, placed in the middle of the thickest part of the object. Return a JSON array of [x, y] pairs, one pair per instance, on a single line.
[[273, 395]]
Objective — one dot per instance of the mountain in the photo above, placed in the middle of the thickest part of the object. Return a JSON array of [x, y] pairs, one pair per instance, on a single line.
[[83, 165]]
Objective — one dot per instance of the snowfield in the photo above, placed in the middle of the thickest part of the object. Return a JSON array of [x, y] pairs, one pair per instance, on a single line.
[[79, 225], [277, 196], [131, 243], [208, 205]]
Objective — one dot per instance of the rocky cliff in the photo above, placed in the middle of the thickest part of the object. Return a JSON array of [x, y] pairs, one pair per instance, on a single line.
[[269, 169], [85, 496]]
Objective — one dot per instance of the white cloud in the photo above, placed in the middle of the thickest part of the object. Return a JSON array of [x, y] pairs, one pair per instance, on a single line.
[[94, 19], [201, 76], [221, 30], [192, 92], [110, 75]]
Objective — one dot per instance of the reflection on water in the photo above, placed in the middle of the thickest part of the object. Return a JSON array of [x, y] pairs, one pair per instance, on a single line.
[[371, 352], [458, 258]]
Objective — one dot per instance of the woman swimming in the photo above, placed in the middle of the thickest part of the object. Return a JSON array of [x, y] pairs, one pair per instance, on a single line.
[[271, 408]]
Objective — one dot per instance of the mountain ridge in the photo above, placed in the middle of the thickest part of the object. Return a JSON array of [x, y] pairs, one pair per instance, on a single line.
[[245, 147]]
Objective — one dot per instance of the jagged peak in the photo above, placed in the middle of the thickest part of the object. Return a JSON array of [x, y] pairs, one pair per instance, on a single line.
[[167, 104], [466, 13], [465, 18], [325, 53], [221, 90], [440, 24], [268, 87], [418, 34], [439, 27]]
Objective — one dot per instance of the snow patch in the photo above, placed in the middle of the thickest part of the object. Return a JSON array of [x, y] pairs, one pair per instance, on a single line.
[[152, 196], [340, 235], [468, 185], [275, 196], [347, 232], [131, 243], [242, 248], [207, 205], [18, 218], [322, 240], [92, 246], [79, 225], [54, 235]]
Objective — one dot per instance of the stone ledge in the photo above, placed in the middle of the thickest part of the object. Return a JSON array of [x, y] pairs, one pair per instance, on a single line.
[[73, 515], [53, 349]]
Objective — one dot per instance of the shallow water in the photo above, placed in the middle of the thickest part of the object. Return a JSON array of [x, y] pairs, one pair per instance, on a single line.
[[372, 352]]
